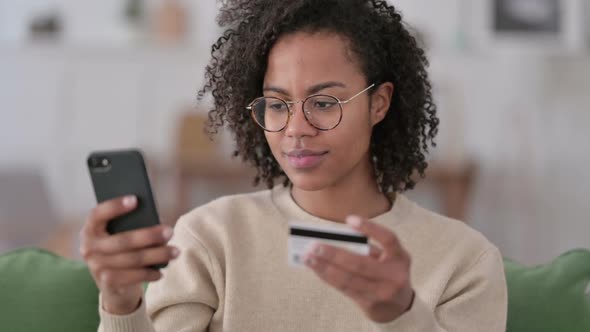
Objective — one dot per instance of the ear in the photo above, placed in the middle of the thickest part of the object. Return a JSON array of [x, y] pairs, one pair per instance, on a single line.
[[380, 102]]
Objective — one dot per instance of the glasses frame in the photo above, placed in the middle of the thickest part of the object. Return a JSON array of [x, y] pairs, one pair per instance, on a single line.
[[290, 110]]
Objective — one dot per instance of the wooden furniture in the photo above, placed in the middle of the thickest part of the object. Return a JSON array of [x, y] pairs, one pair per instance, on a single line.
[[65, 239], [200, 159], [453, 184]]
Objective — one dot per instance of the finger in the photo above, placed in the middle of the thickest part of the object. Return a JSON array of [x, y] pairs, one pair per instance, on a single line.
[[139, 258], [106, 211], [384, 236], [129, 241], [115, 279], [375, 251], [355, 286], [351, 262]]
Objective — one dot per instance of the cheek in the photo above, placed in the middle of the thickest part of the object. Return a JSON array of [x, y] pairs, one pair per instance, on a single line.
[[274, 142], [350, 141]]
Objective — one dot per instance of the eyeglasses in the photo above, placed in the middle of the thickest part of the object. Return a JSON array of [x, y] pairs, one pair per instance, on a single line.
[[323, 112]]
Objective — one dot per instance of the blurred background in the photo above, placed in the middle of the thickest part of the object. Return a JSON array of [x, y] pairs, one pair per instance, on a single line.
[[511, 80]]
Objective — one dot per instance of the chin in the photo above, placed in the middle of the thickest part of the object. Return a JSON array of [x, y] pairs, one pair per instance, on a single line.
[[309, 182]]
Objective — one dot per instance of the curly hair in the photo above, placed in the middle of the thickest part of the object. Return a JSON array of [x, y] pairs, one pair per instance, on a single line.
[[385, 50]]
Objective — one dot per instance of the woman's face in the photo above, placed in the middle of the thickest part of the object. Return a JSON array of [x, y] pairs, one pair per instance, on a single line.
[[302, 64]]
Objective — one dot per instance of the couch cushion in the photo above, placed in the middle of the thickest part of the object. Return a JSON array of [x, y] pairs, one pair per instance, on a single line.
[[40, 291], [551, 297]]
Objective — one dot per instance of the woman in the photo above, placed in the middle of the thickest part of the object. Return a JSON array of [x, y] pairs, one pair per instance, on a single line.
[[330, 99]]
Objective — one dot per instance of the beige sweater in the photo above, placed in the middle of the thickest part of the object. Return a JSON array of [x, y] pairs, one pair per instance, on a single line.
[[233, 275]]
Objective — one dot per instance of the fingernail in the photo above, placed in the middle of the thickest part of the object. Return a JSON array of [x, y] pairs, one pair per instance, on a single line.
[[312, 248], [129, 201], [167, 233], [354, 221], [175, 252], [318, 250], [310, 261]]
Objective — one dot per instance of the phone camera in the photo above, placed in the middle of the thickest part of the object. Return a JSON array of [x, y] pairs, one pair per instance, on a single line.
[[99, 163], [93, 162]]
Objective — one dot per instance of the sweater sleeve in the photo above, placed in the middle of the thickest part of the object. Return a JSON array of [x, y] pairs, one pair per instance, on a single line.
[[475, 301], [185, 299]]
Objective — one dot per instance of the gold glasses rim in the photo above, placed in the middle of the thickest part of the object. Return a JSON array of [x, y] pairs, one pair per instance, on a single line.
[[290, 112]]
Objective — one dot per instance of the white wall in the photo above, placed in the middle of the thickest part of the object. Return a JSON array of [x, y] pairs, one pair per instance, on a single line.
[[523, 118], [89, 22], [92, 90]]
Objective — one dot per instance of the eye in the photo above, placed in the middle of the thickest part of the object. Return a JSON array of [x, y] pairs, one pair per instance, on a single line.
[[323, 105], [277, 106]]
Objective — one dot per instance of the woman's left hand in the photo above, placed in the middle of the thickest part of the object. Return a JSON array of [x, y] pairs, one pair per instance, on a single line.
[[379, 283]]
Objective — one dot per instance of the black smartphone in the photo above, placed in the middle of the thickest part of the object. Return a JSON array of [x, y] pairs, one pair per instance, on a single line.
[[119, 173]]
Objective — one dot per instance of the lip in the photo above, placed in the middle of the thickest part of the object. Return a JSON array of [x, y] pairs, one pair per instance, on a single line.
[[305, 159]]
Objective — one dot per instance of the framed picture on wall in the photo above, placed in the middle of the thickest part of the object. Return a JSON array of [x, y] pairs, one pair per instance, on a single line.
[[532, 17], [546, 26]]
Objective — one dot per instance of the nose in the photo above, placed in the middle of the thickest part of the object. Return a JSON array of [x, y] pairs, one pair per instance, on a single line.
[[298, 125]]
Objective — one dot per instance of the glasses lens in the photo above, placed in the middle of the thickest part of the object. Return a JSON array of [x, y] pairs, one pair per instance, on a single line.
[[323, 112], [270, 113]]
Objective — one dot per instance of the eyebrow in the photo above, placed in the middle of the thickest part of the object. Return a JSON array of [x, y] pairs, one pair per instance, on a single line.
[[310, 91]]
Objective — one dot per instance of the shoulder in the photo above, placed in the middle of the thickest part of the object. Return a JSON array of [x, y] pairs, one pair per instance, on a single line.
[[232, 204], [227, 210], [434, 235]]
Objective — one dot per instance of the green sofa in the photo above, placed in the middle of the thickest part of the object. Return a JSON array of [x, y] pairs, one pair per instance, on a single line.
[[40, 291]]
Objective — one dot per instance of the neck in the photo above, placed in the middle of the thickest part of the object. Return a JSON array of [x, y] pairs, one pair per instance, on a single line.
[[358, 195]]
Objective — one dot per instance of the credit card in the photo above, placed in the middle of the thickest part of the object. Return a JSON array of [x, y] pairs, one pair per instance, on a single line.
[[302, 236]]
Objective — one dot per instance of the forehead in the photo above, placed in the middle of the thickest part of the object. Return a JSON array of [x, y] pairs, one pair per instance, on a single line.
[[306, 58]]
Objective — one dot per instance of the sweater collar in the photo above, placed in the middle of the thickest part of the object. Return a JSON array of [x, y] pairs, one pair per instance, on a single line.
[[282, 199]]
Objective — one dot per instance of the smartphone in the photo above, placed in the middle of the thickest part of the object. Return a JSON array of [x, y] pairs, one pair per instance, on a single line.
[[119, 173]]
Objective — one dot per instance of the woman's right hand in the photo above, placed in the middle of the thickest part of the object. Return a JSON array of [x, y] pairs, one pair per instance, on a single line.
[[119, 263]]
